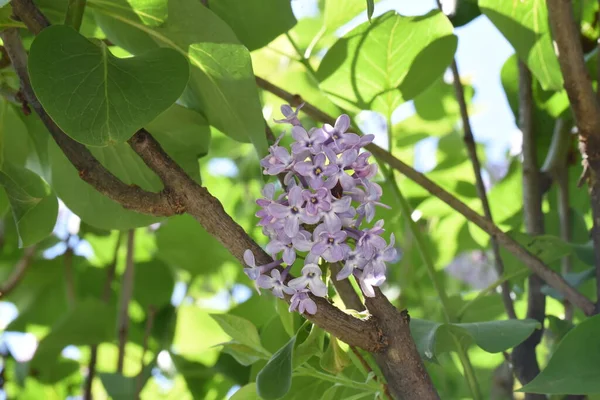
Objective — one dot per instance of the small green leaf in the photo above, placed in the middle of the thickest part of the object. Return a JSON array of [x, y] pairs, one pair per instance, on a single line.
[[370, 9], [275, 379], [95, 97], [334, 359], [243, 354], [547, 248], [525, 25], [574, 367], [247, 392], [34, 205], [373, 67], [287, 317], [120, 387], [434, 338], [241, 330], [312, 346], [153, 284]]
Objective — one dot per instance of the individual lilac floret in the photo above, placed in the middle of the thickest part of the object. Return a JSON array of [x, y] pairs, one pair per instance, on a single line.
[[311, 278], [291, 116], [275, 283], [327, 190], [302, 302]]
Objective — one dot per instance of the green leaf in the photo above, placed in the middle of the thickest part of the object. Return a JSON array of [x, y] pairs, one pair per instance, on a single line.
[[183, 243], [434, 338], [575, 365], [247, 392], [275, 379], [241, 330], [34, 205], [381, 64], [334, 359], [255, 23], [120, 387], [221, 85], [90, 322], [525, 25], [312, 346], [370, 9], [464, 11], [95, 97], [574, 279], [153, 285], [339, 12], [547, 248], [287, 317], [14, 143], [244, 355]]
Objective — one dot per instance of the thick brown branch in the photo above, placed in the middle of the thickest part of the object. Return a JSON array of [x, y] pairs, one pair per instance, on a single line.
[[524, 355], [209, 212], [18, 273], [487, 212], [535, 264], [90, 170], [345, 289], [584, 105]]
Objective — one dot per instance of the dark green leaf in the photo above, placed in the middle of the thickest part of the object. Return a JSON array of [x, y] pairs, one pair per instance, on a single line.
[[95, 97], [221, 85], [434, 338], [275, 379], [575, 365], [121, 387], [525, 25], [153, 284], [255, 23], [373, 67], [464, 11], [34, 205], [370, 9]]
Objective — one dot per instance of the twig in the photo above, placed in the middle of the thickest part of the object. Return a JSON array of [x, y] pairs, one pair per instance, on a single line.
[[19, 271], [126, 293], [110, 276], [369, 370], [69, 278], [524, 355], [487, 212], [149, 323], [345, 289], [584, 105], [532, 262]]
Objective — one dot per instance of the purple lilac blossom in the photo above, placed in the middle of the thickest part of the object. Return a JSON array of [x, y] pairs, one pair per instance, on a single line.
[[329, 191]]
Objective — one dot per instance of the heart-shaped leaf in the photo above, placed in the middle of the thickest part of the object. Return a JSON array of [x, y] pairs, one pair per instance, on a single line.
[[275, 379], [575, 365], [95, 97], [34, 205]]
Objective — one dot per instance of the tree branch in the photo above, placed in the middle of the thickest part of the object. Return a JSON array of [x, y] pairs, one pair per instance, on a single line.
[[584, 105], [110, 276], [90, 170], [19, 271], [533, 263], [524, 355], [487, 212], [345, 289], [126, 293]]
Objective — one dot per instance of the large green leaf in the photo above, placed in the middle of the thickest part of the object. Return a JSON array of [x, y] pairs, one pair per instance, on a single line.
[[434, 338], [14, 144], [275, 379], [95, 97], [575, 365], [121, 387], [380, 64], [525, 25], [255, 23], [153, 284], [221, 85], [184, 244], [184, 135], [34, 205]]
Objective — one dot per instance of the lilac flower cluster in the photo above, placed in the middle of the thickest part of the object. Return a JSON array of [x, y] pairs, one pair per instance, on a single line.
[[324, 177]]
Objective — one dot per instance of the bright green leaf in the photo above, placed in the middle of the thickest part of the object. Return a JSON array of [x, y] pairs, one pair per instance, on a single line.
[[241, 330], [434, 338], [275, 379], [247, 392], [334, 359], [34, 205], [575, 365], [381, 64], [525, 25], [95, 97], [312, 346]]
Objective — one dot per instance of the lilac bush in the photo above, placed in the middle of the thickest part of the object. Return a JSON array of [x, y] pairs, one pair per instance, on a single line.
[[327, 198]]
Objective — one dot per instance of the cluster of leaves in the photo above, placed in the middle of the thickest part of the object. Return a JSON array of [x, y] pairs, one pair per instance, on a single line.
[[186, 73]]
